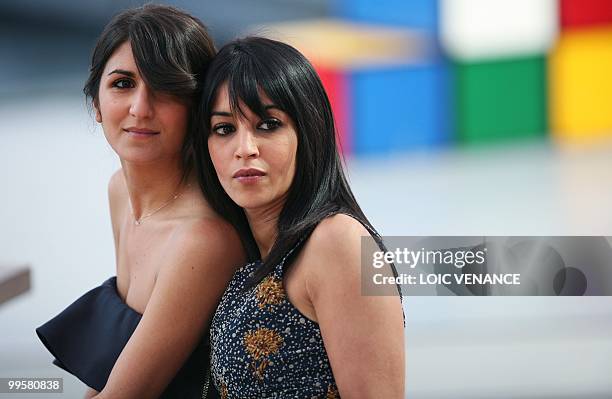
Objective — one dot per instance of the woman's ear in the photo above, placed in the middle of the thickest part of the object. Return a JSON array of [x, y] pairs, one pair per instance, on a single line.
[[98, 114]]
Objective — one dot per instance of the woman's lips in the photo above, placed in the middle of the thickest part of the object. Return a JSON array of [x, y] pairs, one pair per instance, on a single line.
[[249, 175], [140, 132]]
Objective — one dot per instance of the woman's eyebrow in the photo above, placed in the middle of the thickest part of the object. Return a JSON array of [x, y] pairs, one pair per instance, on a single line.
[[220, 113], [224, 113], [122, 72]]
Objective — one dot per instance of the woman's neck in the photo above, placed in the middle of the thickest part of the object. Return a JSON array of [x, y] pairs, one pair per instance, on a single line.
[[151, 185], [264, 225]]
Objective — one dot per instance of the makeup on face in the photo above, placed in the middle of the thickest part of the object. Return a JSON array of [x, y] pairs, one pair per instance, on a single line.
[[140, 124], [253, 155]]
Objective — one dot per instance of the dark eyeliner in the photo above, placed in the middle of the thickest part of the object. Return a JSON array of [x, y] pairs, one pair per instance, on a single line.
[[275, 124], [222, 126], [121, 80]]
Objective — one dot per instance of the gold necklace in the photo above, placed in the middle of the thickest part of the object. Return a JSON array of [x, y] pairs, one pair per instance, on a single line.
[[138, 221]]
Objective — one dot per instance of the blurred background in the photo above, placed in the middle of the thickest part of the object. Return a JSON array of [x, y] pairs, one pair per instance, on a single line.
[[456, 117]]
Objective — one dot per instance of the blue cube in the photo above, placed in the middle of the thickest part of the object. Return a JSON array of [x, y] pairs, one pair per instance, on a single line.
[[400, 108], [416, 14]]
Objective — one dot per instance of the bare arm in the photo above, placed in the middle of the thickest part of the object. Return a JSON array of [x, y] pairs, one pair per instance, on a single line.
[[363, 335], [91, 393], [195, 273]]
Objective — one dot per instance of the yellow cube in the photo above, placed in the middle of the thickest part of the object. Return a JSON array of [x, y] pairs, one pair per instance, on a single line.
[[580, 85]]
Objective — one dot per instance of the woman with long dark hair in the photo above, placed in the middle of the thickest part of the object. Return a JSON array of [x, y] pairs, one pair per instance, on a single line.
[[142, 334], [294, 323]]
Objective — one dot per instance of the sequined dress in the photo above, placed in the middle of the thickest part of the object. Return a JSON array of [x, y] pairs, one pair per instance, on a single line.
[[263, 347]]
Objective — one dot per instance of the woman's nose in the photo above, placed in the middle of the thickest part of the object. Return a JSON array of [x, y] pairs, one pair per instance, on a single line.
[[142, 103], [247, 144]]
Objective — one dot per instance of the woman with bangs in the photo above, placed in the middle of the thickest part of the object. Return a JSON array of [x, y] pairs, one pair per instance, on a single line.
[[293, 324], [143, 333]]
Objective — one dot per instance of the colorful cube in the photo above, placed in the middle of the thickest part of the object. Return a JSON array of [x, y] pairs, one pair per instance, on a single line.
[[337, 86], [400, 108], [414, 14], [585, 13], [500, 100], [387, 91], [580, 76]]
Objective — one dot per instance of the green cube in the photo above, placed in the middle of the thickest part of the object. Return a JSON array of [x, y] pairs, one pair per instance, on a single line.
[[501, 99]]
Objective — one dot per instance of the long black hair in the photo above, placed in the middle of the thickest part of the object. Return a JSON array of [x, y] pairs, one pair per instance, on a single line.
[[319, 188], [172, 50]]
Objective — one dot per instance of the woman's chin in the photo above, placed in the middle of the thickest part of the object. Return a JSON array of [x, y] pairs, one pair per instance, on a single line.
[[136, 157], [141, 155], [248, 201]]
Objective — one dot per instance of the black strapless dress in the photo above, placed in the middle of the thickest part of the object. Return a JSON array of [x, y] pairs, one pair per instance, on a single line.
[[87, 337]]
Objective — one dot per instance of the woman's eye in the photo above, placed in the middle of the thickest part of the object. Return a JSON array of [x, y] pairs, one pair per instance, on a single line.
[[223, 129], [269, 124], [123, 84]]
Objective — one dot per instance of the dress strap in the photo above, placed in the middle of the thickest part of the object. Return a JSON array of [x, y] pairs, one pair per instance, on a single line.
[[281, 264], [280, 267], [301, 240]]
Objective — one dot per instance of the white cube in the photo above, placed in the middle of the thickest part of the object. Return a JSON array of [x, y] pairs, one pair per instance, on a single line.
[[488, 29]]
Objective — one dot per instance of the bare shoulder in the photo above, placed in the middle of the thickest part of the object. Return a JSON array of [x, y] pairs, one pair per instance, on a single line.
[[207, 232], [336, 235], [333, 253], [207, 242]]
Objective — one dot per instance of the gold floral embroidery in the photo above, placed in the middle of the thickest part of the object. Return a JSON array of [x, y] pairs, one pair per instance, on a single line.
[[224, 393], [270, 292], [260, 344], [332, 393]]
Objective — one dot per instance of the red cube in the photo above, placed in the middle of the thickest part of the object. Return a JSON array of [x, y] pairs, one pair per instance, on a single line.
[[585, 13], [337, 88]]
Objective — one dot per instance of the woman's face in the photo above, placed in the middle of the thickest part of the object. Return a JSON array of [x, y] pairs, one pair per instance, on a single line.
[[254, 158], [141, 125]]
